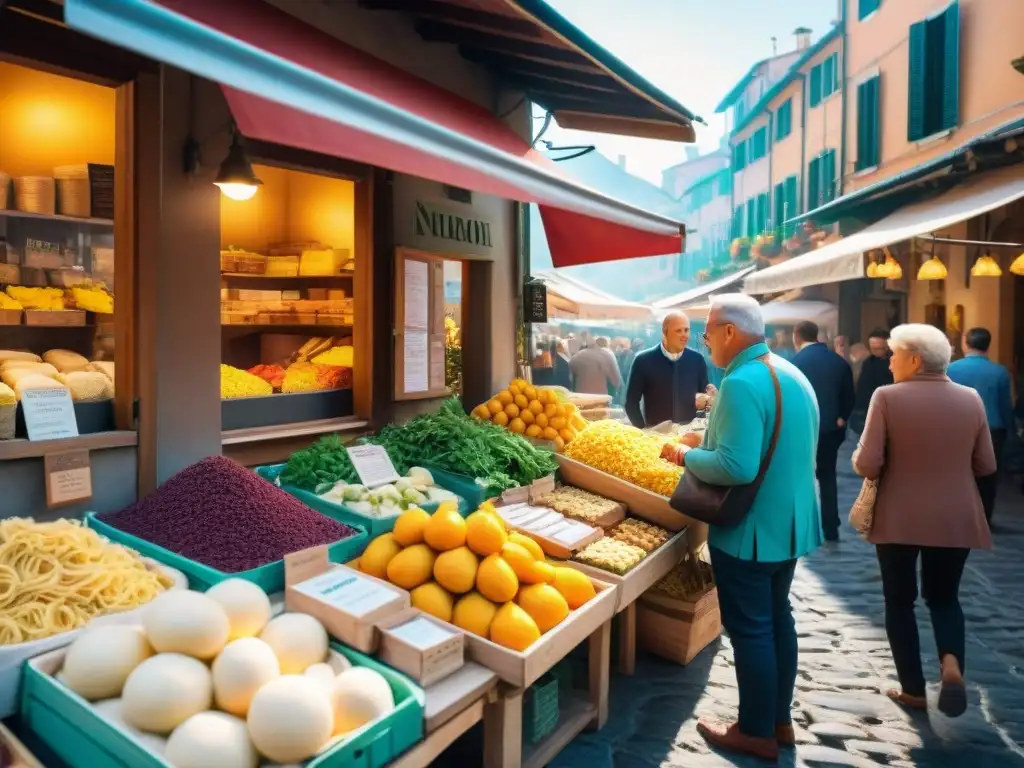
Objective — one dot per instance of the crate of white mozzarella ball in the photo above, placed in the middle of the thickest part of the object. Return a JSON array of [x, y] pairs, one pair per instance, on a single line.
[[211, 680]]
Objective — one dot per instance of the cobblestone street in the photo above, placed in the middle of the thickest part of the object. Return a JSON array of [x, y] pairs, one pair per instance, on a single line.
[[842, 714]]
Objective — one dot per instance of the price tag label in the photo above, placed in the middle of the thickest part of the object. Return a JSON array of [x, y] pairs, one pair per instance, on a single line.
[[49, 414], [373, 465], [68, 478]]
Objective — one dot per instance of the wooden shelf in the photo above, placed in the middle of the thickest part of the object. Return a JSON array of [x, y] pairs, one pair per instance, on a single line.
[[56, 217], [260, 327], [575, 713], [300, 429], [250, 276], [19, 448]]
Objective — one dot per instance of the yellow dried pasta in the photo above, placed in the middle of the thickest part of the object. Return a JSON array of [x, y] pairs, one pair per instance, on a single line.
[[55, 577]]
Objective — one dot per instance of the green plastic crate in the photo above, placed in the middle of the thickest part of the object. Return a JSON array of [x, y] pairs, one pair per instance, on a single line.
[[68, 725], [540, 708], [269, 577], [466, 487], [375, 526]]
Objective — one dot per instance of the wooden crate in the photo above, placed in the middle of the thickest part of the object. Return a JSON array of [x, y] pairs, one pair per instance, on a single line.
[[645, 574], [641, 503], [10, 317], [521, 669], [675, 629], [64, 318]]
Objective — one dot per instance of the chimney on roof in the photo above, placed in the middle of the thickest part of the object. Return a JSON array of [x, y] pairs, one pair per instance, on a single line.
[[775, 46], [803, 38], [622, 162]]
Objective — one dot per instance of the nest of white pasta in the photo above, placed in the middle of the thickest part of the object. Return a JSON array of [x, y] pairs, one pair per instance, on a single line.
[[55, 577]]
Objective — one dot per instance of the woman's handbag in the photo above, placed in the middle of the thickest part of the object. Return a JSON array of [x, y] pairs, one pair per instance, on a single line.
[[862, 514], [726, 505]]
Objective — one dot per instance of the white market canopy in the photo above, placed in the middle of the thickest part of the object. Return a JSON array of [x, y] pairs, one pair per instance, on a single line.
[[694, 296], [844, 259], [572, 298], [782, 312]]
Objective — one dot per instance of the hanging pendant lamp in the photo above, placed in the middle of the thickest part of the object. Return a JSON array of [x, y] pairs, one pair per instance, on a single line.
[[933, 269], [1017, 267], [236, 178], [986, 266]]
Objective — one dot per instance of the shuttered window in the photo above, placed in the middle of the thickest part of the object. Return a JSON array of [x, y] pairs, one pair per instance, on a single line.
[[829, 73], [815, 88], [779, 204], [762, 212], [737, 222], [814, 184], [784, 120], [868, 124], [751, 217], [866, 7], [758, 144], [933, 103], [828, 176], [739, 156], [791, 209]]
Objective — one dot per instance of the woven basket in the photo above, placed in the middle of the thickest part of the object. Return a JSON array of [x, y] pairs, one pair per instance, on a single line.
[[5, 191], [7, 421], [35, 194]]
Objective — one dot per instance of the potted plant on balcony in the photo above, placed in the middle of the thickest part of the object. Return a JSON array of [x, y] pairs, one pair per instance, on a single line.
[[739, 249]]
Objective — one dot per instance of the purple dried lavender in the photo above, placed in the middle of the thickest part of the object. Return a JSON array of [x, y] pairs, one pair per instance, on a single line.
[[223, 515]]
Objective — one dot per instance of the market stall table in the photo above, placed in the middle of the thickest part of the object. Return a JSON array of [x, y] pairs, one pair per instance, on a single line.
[[453, 706]]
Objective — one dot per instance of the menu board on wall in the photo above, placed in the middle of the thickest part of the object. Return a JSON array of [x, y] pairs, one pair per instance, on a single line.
[[419, 326]]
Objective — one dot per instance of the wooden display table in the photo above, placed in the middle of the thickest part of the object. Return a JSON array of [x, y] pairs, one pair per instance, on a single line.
[[453, 706], [503, 719], [649, 572]]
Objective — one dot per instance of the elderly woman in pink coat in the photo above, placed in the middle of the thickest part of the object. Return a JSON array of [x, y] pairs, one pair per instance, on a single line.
[[926, 441]]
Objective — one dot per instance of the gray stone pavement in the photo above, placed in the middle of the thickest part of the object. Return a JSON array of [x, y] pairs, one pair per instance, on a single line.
[[843, 717]]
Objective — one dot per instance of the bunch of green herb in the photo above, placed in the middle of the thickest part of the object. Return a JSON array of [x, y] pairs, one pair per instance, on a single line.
[[324, 462], [450, 440]]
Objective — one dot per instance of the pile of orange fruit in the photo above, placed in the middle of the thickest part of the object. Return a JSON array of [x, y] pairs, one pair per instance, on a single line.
[[534, 412]]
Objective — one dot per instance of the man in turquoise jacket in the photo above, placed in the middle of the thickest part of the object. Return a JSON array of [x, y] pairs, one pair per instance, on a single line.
[[754, 562]]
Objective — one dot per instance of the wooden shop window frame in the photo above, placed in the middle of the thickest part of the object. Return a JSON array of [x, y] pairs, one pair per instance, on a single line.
[[434, 266], [36, 37]]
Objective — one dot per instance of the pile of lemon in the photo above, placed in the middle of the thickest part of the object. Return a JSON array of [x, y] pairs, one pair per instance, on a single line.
[[533, 411], [473, 573]]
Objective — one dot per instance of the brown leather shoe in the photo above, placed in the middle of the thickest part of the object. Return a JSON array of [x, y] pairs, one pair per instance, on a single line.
[[730, 739], [785, 735]]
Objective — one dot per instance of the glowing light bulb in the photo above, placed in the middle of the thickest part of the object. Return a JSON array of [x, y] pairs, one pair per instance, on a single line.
[[237, 191]]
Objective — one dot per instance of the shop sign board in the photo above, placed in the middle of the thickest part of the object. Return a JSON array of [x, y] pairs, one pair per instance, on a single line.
[[442, 223], [535, 298], [68, 478], [49, 414]]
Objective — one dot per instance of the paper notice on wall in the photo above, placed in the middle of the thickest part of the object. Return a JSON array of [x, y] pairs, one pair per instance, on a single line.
[[417, 296], [415, 361], [437, 364]]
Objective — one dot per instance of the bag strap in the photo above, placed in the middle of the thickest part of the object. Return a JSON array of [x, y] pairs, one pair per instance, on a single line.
[[766, 462]]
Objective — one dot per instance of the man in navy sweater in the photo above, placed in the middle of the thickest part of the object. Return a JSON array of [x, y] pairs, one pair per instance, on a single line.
[[667, 378], [832, 380]]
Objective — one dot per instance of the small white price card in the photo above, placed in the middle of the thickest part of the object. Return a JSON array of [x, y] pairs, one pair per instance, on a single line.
[[49, 414], [420, 633], [373, 465], [348, 591]]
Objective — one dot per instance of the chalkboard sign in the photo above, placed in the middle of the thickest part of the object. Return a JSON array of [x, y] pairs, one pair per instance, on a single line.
[[535, 297]]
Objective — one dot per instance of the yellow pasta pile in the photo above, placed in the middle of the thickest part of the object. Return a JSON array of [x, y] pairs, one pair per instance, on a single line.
[[627, 453], [55, 577]]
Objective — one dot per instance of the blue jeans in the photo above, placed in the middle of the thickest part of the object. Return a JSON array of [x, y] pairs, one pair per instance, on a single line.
[[758, 617]]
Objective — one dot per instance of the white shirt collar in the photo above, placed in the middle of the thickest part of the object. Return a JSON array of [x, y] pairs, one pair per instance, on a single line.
[[670, 355]]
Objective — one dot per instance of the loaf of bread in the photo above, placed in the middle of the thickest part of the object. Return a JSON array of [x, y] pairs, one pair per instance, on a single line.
[[65, 361], [14, 354], [25, 365], [106, 367], [87, 386], [11, 376]]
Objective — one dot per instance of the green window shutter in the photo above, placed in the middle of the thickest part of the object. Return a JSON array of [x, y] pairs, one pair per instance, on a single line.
[[917, 94], [815, 88], [762, 213], [813, 184], [951, 68], [784, 121], [790, 197], [867, 7], [868, 126], [751, 217], [828, 176], [778, 203], [828, 76]]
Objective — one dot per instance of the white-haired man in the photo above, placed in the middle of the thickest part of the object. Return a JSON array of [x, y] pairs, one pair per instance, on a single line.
[[667, 378], [754, 561]]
